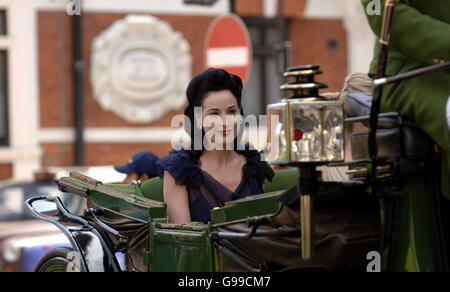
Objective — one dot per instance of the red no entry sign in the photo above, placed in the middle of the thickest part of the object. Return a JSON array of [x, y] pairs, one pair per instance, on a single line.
[[228, 46]]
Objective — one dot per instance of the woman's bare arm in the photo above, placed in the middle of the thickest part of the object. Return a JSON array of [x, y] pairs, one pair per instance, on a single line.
[[176, 198]]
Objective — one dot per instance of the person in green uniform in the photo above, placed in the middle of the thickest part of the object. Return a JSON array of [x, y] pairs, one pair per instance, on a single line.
[[420, 36]]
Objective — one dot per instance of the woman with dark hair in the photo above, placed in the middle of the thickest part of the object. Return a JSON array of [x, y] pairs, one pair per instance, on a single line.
[[220, 168]]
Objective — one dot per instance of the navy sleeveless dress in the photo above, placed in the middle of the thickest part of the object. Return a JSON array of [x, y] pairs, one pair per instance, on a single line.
[[204, 191]]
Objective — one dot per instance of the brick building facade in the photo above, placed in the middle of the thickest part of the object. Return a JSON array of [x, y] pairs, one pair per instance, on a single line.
[[317, 37]]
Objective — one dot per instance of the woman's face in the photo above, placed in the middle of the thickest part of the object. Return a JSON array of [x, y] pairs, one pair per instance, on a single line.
[[220, 117]]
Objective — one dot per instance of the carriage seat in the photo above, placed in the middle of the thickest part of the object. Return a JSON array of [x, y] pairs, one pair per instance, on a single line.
[[397, 138], [283, 179]]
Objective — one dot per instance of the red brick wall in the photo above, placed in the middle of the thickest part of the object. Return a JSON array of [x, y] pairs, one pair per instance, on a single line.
[[98, 154], [93, 24], [249, 7], [5, 171], [124, 151], [294, 8], [50, 72], [55, 59], [311, 41]]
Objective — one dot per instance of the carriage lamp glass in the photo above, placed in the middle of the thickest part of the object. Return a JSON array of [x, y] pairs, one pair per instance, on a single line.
[[277, 133], [333, 133], [308, 130]]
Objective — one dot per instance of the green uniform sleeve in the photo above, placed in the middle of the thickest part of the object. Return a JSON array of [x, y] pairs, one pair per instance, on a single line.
[[415, 35]]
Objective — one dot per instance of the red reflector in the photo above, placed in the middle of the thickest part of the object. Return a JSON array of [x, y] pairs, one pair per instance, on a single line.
[[298, 134]]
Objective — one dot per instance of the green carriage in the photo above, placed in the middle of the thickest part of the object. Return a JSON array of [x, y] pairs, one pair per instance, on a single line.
[[258, 233]]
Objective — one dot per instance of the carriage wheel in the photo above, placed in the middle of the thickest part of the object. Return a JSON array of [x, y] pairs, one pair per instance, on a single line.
[[56, 260]]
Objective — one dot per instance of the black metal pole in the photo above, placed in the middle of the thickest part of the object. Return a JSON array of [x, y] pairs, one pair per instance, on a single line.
[[283, 53], [78, 70], [412, 74], [378, 91], [232, 6], [282, 22], [263, 71]]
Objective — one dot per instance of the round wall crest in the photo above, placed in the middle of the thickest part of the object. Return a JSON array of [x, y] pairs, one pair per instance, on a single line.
[[140, 68]]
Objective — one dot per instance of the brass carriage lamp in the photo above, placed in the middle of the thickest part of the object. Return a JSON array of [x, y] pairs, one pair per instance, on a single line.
[[305, 127], [305, 130]]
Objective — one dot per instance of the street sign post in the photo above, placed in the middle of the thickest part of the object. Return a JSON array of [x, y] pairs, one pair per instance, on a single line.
[[228, 46]]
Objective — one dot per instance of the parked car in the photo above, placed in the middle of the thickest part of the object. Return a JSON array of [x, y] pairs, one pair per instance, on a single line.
[[24, 240]]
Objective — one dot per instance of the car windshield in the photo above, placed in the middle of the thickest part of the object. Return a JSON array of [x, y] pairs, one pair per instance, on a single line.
[[13, 197]]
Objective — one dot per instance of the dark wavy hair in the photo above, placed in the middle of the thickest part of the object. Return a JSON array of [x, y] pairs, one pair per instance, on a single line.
[[210, 80]]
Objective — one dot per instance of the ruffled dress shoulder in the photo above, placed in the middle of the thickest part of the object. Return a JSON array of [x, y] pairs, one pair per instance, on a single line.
[[186, 170], [204, 191], [182, 167]]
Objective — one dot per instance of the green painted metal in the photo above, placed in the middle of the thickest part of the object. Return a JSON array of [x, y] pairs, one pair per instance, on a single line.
[[127, 200], [409, 233], [138, 209], [181, 248], [131, 189], [187, 247], [259, 205]]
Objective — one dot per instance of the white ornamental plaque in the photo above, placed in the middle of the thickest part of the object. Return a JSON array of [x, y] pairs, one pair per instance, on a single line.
[[140, 68]]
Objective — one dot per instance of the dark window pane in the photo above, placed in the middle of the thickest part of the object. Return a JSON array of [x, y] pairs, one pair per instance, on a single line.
[[3, 28], [3, 97]]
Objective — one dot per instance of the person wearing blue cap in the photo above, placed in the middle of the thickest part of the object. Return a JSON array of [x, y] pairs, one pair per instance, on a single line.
[[140, 167]]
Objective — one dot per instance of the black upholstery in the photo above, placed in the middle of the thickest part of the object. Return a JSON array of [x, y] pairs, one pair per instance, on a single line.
[[397, 138]]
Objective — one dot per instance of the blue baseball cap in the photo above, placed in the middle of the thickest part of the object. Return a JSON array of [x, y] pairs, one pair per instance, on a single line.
[[142, 162]]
